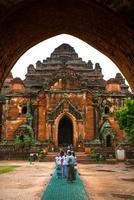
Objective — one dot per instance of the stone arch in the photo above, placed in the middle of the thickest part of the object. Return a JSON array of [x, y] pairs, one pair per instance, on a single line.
[[74, 124], [107, 134], [24, 24]]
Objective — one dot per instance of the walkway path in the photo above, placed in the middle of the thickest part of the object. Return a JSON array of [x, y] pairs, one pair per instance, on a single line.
[[63, 190]]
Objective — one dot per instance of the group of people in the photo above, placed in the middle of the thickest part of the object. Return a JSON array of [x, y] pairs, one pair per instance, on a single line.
[[66, 164]]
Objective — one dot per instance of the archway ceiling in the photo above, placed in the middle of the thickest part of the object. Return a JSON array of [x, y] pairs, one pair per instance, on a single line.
[[106, 26]]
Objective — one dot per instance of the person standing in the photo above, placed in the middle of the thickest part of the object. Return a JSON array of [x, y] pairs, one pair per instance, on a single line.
[[65, 157], [75, 166], [59, 170], [61, 152], [71, 163], [68, 148]]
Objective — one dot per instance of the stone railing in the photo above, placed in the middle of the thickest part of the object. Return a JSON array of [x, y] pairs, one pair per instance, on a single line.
[[10, 151], [14, 148], [7, 148]]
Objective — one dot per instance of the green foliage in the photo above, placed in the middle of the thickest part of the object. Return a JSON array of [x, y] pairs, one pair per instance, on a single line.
[[100, 158], [125, 116], [4, 142], [41, 155], [110, 156], [47, 83], [5, 169], [37, 142], [93, 154], [27, 140], [18, 141], [96, 141], [27, 132], [31, 159], [126, 162]]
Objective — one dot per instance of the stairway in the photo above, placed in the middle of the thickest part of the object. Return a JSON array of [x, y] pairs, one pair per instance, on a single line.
[[84, 158], [81, 157], [50, 157]]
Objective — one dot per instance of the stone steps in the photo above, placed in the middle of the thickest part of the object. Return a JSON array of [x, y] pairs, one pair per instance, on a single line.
[[50, 157], [81, 157], [84, 158]]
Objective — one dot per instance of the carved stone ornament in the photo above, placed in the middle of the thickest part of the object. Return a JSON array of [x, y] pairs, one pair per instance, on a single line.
[[63, 106]]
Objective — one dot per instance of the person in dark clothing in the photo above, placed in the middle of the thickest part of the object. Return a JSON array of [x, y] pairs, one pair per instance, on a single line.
[[62, 152], [71, 162]]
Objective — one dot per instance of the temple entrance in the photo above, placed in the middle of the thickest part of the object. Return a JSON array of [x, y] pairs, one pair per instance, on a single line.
[[65, 132]]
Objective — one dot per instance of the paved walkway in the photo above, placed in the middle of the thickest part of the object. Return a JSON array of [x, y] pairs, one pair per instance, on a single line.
[[64, 190]]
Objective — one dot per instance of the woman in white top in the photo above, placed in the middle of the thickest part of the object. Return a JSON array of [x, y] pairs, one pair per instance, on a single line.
[[59, 161], [65, 163]]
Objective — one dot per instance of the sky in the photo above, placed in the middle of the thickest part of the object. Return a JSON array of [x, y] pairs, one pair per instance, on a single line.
[[43, 50]]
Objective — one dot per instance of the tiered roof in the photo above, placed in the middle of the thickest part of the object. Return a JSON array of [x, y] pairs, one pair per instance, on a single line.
[[65, 58]]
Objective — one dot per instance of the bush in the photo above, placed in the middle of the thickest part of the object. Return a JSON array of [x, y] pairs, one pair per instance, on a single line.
[[27, 140], [93, 154], [41, 155], [18, 142], [125, 117], [110, 156], [31, 158]]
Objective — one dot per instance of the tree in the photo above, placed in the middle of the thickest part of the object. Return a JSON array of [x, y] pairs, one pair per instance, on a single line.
[[125, 116]]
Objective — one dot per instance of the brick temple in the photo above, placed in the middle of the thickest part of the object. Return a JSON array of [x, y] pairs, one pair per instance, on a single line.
[[65, 100]]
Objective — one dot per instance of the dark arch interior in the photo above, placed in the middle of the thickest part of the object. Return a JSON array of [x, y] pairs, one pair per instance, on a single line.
[[108, 141], [65, 131], [106, 110], [24, 109]]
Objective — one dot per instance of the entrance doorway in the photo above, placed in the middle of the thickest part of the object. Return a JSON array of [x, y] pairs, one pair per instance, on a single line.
[[108, 141], [65, 131]]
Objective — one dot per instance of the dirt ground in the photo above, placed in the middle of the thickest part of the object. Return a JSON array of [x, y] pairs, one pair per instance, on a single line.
[[26, 182], [108, 182], [102, 182]]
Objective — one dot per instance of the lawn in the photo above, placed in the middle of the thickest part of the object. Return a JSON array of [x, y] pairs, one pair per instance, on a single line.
[[5, 169]]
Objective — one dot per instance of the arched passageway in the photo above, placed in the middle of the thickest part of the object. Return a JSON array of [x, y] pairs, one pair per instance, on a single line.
[[26, 23], [65, 131]]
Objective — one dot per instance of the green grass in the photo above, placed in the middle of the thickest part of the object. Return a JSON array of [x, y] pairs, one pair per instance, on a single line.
[[5, 169]]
